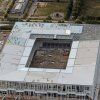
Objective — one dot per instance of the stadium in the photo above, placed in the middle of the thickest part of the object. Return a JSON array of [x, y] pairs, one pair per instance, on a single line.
[[50, 61]]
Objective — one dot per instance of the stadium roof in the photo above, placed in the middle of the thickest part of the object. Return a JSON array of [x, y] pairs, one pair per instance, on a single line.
[[81, 63]]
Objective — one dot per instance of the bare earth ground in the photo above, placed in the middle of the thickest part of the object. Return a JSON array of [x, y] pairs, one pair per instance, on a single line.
[[4, 35], [55, 58], [4, 4]]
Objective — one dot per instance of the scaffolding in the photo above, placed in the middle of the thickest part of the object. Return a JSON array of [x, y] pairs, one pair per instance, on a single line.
[[44, 91]]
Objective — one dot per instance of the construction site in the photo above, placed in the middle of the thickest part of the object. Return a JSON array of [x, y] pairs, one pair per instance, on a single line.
[[51, 54]]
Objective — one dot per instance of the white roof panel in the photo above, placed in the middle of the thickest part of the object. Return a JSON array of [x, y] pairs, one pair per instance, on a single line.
[[73, 53], [87, 53], [25, 29], [76, 29], [78, 76], [71, 62], [10, 58], [89, 44], [21, 66], [20, 75], [27, 51], [68, 32], [75, 44], [13, 49], [85, 61], [30, 42], [23, 60]]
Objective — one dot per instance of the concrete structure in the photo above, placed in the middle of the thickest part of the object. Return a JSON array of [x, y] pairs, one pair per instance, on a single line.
[[79, 80]]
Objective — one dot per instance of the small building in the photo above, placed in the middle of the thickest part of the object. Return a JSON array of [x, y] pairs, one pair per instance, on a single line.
[[19, 7]]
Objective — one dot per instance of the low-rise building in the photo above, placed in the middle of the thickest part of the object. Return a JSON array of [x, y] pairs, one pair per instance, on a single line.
[[19, 6]]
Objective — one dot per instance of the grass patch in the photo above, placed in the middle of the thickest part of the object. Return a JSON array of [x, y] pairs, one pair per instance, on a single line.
[[50, 7], [91, 8]]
